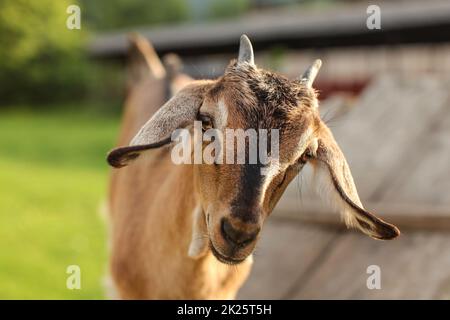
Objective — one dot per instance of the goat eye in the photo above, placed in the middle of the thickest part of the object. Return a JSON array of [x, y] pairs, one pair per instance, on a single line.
[[206, 121]]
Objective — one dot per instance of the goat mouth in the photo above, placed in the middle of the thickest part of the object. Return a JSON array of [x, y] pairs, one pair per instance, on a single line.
[[224, 259]]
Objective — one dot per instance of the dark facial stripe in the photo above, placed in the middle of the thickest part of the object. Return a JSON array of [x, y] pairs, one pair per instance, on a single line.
[[244, 206]]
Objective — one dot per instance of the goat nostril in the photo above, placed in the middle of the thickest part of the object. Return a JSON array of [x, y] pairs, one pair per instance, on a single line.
[[234, 236]]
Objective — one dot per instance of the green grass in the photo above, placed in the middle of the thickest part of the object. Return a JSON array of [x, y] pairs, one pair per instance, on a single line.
[[53, 179]]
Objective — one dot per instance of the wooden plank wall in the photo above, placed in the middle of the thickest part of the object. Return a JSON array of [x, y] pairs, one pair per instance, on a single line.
[[353, 64], [295, 260], [415, 266]]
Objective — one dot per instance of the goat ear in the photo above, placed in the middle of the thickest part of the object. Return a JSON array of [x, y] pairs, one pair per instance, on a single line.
[[180, 111], [246, 51], [339, 187], [143, 62]]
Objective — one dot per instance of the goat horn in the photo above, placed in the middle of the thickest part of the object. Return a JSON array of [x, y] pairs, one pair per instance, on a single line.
[[311, 73], [246, 51]]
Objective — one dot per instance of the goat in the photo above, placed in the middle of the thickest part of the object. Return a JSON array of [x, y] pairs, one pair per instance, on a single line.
[[176, 229]]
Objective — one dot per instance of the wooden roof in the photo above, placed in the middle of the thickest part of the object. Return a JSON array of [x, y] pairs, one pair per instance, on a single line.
[[337, 26]]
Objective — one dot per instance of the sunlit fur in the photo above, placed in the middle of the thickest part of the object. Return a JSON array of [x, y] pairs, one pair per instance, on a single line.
[[173, 226]]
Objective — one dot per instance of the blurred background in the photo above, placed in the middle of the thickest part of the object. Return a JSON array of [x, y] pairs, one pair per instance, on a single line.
[[384, 93]]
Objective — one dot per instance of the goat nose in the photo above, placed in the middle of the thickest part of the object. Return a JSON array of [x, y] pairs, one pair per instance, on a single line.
[[237, 237]]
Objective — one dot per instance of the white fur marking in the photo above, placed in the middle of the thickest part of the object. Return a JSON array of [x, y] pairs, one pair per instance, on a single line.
[[199, 242], [326, 190]]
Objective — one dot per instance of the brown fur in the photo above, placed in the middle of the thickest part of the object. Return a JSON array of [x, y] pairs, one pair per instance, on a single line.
[[154, 202]]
